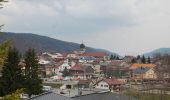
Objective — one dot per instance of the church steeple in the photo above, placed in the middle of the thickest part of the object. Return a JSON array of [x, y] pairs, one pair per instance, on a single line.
[[82, 47]]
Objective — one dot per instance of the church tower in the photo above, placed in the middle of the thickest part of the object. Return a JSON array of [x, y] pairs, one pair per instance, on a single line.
[[82, 48]]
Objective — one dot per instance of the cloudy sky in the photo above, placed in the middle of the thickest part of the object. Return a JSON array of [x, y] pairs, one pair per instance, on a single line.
[[127, 27]]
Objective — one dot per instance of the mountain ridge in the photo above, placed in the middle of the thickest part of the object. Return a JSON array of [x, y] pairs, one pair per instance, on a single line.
[[23, 41], [162, 51]]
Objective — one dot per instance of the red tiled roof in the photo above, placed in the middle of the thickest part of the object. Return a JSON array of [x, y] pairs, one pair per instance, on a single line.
[[77, 67], [133, 66], [95, 54], [113, 81]]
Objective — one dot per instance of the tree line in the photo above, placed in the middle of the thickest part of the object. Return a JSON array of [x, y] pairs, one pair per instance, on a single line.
[[142, 59]]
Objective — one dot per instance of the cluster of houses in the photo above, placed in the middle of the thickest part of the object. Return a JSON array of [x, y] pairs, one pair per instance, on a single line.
[[94, 67]]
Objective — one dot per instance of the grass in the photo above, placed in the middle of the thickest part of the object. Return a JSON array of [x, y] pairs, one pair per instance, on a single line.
[[147, 96]]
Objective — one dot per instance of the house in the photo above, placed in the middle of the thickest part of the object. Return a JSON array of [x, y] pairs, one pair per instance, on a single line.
[[72, 55], [128, 59], [111, 84], [141, 73], [97, 55], [82, 71], [84, 84], [96, 68], [86, 59], [44, 68], [115, 68], [64, 64]]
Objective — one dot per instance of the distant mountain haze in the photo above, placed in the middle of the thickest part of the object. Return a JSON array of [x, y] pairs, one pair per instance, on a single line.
[[23, 41], [162, 51]]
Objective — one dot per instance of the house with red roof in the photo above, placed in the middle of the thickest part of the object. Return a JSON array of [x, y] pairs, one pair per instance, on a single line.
[[84, 84], [81, 71], [111, 84], [97, 55]]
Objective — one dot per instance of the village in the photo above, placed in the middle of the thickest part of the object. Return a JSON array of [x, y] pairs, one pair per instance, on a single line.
[[81, 73]]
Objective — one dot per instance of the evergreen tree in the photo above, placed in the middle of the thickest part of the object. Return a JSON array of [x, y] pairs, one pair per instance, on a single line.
[[138, 57], [12, 78], [65, 72], [33, 84], [143, 60], [112, 57], [4, 47], [149, 60], [117, 58]]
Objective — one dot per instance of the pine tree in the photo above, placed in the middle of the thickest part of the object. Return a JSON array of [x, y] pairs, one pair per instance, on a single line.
[[149, 60], [143, 60], [65, 72], [4, 47], [112, 57], [117, 58], [138, 57], [12, 77], [33, 83]]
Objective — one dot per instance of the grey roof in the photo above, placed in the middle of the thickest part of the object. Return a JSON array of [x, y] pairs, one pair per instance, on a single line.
[[141, 70], [95, 96], [103, 96], [50, 96], [86, 58]]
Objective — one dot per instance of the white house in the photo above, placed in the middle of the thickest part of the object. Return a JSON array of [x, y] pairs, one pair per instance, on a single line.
[[111, 84], [64, 65]]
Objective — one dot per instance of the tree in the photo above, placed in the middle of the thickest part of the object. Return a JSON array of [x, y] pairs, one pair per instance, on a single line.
[[143, 59], [33, 84], [117, 58], [134, 60], [12, 78], [149, 60], [112, 57], [13, 96], [65, 72], [138, 57], [4, 47]]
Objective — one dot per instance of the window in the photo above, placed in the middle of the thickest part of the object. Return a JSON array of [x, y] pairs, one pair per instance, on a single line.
[[101, 85], [105, 85]]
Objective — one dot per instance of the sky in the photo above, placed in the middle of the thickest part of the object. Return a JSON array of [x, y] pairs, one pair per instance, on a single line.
[[127, 27]]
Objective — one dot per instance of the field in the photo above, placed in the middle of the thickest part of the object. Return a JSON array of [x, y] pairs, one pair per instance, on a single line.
[[147, 96]]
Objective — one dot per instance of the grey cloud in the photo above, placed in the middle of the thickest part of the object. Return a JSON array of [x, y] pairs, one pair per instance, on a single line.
[[125, 26]]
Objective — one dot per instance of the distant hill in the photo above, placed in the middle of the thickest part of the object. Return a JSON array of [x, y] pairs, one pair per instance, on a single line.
[[162, 51], [23, 41]]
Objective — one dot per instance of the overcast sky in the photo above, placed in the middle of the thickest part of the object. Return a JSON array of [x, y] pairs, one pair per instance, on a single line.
[[127, 27]]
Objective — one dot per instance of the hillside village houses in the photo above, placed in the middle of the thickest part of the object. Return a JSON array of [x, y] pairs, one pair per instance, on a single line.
[[94, 68], [94, 71]]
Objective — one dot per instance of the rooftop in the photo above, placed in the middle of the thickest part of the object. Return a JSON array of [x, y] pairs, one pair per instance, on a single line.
[[141, 70], [136, 65], [93, 96]]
